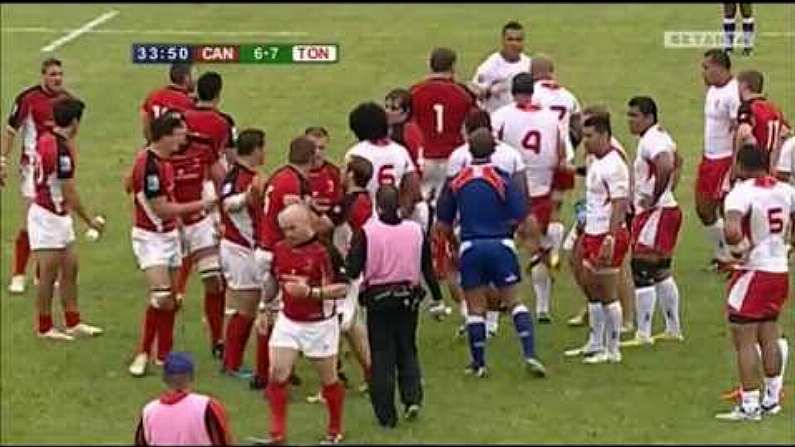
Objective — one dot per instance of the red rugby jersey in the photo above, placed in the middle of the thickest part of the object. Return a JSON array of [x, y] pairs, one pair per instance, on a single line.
[[32, 113], [766, 121], [170, 98], [312, 261], [152, 177], [286, 181], [240, 227], [439, 107], [54, 163]]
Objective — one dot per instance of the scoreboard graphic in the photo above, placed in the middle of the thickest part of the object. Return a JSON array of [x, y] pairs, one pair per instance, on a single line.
[[275, 53]]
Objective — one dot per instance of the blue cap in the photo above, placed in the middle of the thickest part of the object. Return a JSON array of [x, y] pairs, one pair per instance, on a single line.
[[178, 363]]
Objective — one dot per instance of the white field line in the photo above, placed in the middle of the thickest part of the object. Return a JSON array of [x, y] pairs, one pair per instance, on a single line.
[[79, 31], [163, 32]]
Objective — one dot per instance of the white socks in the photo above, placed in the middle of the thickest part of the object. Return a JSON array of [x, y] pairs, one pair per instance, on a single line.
[[596, 321], [750, 400], [555, 231], [492, 320], [645, 298], [783, 346], [668, 293], [772, 391], [614, 319], [542, 285], [715, 234]]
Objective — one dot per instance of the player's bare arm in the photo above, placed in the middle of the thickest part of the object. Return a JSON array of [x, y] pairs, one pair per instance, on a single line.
[[165, 209], [6, 144], [664, 164], [72, 197], [617, 218]]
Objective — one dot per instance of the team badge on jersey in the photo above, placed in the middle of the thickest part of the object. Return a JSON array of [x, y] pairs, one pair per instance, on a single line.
[[152, 183], [65, 163]]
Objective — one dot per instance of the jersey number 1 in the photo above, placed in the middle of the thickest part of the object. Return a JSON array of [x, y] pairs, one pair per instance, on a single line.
[[438, 110]]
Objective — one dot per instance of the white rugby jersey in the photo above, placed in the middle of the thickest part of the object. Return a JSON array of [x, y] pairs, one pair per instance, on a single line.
[[607, 180], [786, 158], [390, 161], [548, 93], [720, 111], [767, 206], [654, 141], [495, 69], [504, 157], [537, 134]]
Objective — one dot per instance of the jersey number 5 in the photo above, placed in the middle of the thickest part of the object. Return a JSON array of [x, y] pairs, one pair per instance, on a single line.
[[532, 141], [775, 221]]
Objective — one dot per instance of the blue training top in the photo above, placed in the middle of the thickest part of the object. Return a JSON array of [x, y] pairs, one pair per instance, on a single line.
[[488, 203]]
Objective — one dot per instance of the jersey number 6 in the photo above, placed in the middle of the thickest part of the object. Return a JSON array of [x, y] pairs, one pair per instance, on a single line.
[[386, 175]]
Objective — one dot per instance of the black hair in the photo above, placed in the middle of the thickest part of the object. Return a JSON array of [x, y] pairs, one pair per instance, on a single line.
[[522, 84], [512, 26], [368, 121], [477, 119], [362, 170], [179, 72], [720, 57], [442, 60], [387, 199], [751, 158], [601, 123], [249, 140], [66, 110], [164, 125], [645, 104], [209, 85], [481, 143], [49, 62], [302, 149]]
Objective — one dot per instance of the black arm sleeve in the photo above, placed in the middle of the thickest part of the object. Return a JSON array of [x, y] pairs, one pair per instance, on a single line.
[[427, 271], [357, 256]]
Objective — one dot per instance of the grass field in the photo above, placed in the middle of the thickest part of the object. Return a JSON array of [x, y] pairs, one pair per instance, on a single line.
[[81, 392]]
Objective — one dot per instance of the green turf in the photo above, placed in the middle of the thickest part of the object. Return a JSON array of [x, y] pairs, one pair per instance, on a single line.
[[81, 393]]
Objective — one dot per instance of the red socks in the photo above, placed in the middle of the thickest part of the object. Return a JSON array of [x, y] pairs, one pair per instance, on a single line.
[[149, 330], [72, 319], [45, 323], [237, 333], [214, 313], [277, 400], [183, 275], [263, 362], [334, 395], [165, 332], [21, 252]]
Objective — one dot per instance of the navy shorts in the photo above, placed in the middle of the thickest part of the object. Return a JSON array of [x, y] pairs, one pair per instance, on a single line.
[[485, 262]]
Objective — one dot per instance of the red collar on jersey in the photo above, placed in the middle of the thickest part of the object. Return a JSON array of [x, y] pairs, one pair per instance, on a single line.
[[380, 142], [485, 173], [765, 182], [527, 106], [550, 84], [440, 77], [171, 397]]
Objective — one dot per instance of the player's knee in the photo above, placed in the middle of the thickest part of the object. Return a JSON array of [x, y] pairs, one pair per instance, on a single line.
[[279, 373], [161, 297], [209, 268], [643, 272]]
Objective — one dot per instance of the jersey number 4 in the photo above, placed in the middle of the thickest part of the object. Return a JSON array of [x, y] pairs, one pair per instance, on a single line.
[[532, 141]]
